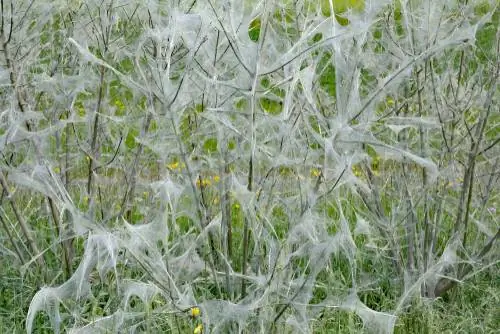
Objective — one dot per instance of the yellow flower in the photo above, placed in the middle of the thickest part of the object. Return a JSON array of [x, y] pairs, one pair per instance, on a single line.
[[357, 171], [315, 172], [390, 101], [195, 312], [216, 178], [119, 104], [198, 329], [173, 165], [203, 182]]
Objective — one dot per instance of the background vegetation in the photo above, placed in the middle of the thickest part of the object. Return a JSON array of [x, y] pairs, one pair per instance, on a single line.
[[249, 166]]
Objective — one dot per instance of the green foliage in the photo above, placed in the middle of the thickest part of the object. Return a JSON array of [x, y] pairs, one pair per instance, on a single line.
[[273, 107], [183, 180], [340, 7], [210, 145], [120, 97], [184, 223], [398, 19], [126, 65], [326, 72], [130, 141], [486, 35], [280, 221], [254, 29], [231, 144], [199, 108], [316, 38], [79, 106], [284, 21], [241, 104]]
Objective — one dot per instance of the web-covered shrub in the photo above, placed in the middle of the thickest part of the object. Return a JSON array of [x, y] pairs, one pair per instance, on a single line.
[[268, 164]]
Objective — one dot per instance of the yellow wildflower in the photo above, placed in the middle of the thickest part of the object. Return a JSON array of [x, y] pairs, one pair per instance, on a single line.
[[357, 171], [390, 101], [195, 312], [198, 329], [315, 172], [173, 165], [203, 182]]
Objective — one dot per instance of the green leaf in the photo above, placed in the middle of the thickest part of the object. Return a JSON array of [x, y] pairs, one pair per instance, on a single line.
[[231, 145], [340, 7], [241, 104], [254, 29], [326, 73], [210, 145], [130, 140], [272, 107]]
